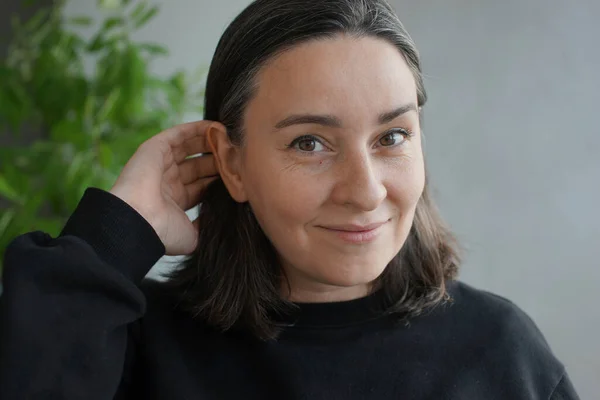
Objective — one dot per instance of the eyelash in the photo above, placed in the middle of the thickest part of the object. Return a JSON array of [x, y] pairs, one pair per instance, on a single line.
[[404, 132]]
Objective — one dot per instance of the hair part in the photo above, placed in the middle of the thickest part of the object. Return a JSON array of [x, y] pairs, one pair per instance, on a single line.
[[233, 278]]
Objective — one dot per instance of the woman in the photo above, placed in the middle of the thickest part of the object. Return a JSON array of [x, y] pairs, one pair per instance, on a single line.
[[318, 266]]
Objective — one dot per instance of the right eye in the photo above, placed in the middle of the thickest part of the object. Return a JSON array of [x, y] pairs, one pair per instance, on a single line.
[[307, 144]]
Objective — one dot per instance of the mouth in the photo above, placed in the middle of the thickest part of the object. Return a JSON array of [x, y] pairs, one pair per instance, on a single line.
[[354, 233]]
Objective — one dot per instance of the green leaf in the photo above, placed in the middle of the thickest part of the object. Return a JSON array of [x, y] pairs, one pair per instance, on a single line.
[[105, 155], [35, 22], [112, 22], [80, 21], [128, 71], [15, 103], [5, 219], [74, 167], [51, 226], [177, 81], [7, 190], [70, 131], [87, 109], [33, 203], [138, 10], [110, 4], [97, 43], [113, 39], [154, 49], [109, 105], [145, 17]]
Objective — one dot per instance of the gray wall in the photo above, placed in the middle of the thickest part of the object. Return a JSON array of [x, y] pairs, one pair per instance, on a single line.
[[512, 143], [514, 150]]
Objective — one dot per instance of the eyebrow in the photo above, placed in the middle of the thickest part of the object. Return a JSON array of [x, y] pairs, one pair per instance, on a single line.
[[332, 121]]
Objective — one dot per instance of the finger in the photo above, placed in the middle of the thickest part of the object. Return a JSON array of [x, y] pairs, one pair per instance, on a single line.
[[194, 191], [195, 168], [182, 132], [190, 137], [191, 147]]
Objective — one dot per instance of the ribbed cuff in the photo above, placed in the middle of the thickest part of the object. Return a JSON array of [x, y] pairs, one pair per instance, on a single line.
[[117, 232]]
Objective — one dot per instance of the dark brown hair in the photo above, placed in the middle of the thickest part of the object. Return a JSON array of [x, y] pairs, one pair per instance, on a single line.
[[233, 278]]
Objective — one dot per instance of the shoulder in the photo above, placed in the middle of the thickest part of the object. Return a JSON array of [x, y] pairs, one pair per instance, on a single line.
[[493, 318], [497, 333], [489, 309]]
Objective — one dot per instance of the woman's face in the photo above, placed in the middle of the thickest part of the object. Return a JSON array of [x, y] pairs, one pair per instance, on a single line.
[[332, 163]]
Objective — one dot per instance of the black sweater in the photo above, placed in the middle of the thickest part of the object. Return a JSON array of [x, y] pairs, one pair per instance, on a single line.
[[78, 321]]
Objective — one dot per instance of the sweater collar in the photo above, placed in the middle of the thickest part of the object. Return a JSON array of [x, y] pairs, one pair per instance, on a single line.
[[334, 314]]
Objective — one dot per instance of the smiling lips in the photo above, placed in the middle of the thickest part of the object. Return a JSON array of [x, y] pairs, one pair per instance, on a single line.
[[357, 234]]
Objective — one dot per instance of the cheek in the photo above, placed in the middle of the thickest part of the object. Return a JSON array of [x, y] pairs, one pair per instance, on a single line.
[[285, 197], [405, 185]]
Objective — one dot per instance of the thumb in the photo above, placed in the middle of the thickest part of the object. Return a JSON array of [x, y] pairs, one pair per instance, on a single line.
[[193, 236], [186, 241], [196, 225]]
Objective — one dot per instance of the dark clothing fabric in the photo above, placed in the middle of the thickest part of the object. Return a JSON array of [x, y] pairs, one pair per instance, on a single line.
[[79, 321]]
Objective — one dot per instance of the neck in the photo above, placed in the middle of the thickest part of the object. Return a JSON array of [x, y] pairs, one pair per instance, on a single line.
[[316, 292]]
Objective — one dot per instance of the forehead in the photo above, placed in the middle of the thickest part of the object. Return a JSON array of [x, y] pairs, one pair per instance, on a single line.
[[343, 76]]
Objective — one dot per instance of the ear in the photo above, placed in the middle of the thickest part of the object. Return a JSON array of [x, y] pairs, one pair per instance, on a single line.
[[228, 159]]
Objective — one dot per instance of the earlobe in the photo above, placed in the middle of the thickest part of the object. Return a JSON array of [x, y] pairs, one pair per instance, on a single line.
[[228, 160]]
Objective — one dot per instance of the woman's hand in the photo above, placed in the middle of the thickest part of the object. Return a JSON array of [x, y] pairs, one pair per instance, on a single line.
[[160, 182]]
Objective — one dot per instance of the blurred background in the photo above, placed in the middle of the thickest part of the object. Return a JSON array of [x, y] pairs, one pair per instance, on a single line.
[[511, 131]]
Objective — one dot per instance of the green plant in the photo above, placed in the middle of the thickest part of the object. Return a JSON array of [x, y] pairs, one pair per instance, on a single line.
[[90, 120]]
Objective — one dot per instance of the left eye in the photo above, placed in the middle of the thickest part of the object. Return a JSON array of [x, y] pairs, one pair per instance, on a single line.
[[392, 138]]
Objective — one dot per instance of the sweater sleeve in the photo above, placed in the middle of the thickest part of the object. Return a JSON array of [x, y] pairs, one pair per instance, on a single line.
[[564, 390], [69, 302]]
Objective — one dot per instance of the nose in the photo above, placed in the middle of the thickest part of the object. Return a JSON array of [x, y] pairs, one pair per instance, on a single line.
[[358, 182]]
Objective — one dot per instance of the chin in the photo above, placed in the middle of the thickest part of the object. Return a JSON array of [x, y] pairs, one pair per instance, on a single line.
[[349, 276]]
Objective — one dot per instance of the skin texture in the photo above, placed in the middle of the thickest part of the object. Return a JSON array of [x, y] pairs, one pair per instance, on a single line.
[[303, 192]]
